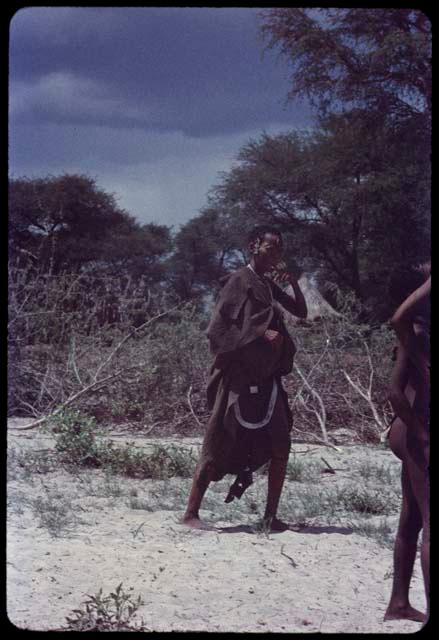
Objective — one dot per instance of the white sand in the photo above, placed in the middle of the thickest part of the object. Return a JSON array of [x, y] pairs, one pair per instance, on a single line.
[[230, 579]]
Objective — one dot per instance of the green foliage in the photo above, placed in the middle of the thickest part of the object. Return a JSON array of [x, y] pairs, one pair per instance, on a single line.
[[27, 463], [77, 445], [161, 463], [367, 501], [68, 223], [75, 439], [377, 472], [331, 504], [382, 531], [379, 58], [114, 612], [351, 198], [56, 517], [299, 470]]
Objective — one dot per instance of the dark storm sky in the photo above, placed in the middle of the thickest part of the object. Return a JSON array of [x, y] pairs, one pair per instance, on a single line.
[[151, 102]]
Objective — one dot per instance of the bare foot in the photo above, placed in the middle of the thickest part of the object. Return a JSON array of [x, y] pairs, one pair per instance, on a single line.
[[196, 523], [274, 524], [404, 613]]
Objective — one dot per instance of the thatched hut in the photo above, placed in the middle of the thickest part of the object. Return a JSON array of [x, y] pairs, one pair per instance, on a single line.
[[318, 307]]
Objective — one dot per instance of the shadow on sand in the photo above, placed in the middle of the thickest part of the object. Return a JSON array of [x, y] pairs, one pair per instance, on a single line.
[[253, 529]]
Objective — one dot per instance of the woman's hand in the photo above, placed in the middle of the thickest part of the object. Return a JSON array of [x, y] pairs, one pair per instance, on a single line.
[[275, 339], [280, 275]]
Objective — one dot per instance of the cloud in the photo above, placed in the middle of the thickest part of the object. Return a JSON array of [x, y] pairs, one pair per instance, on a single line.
[[150, 102], [64, 97], [198, 70], [162, 177]]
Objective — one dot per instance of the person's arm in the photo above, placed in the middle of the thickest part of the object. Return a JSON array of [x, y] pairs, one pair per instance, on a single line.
[[402, 319], [402, 323], [396, 393], [292, 299]]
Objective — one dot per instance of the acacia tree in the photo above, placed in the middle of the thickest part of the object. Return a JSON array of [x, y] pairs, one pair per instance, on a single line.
[[342, 58], [348, 201], [67, 223], [205, 248], [62, 219], [368, 74], [140, 252]]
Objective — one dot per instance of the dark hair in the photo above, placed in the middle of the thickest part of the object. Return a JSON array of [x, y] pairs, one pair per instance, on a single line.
[[258, 233]]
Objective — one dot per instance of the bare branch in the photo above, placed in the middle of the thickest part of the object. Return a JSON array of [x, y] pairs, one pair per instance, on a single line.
[[321, 416], [367, 395], [318, 440], [129, 335], [190, 405], [91, 387], [72, 358]]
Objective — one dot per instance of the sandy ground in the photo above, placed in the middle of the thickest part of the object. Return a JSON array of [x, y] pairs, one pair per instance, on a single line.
[[229, 579]]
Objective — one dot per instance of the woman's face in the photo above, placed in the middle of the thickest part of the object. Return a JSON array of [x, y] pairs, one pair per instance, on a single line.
[[270, 251]]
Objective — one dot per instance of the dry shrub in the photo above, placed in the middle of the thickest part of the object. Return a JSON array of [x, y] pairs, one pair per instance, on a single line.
[[333, 354], [127, 354]]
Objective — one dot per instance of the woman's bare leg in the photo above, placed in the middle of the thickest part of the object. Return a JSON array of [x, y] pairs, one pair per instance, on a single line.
[[202, 478], [404, 555]]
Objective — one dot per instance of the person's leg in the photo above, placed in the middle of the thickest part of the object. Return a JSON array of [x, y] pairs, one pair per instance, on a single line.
[[276, 478], [404, 555], [425, 560], [280, 450], [418, 457], [204, 474]]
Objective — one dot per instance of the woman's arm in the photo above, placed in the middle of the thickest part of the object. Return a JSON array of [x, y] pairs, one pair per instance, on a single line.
[[295, 303], [402, 319], [402, 323]]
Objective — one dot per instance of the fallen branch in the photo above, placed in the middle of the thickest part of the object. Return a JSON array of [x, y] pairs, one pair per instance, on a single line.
[[293, 562], [96, 384], [91, 387], [329, 469], [318, 440]]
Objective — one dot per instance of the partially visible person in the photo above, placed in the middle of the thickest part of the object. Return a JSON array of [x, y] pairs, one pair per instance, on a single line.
[[409, 439]]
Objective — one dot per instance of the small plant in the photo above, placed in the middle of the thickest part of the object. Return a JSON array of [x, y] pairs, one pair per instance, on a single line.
[[379, 472], [172, 461], [162, 463], [310, 502], [295, 470], [382, 533], [75, 439], [26, 463], [300, 471], [137, 503], [77, 445], [112, 488], [363, 501], [115, 612], [138, 531], [54, 515]]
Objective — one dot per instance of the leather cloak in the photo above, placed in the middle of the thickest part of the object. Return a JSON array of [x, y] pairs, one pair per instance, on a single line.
[[246, 307]]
